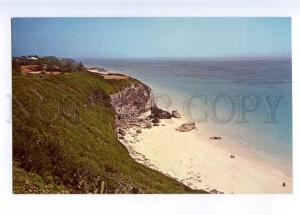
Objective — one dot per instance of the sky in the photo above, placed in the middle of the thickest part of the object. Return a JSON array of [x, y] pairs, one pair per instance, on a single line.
[[152, 37]]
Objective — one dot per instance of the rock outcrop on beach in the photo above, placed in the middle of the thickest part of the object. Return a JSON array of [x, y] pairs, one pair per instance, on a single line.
[[176, 114], [186, 127], [131, 101], [129, 104], [159, 113]]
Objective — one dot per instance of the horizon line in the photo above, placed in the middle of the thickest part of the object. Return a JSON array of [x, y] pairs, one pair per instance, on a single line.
[[165, 57]]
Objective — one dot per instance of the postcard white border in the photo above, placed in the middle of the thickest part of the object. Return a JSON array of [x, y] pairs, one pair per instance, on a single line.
[[141, 204]]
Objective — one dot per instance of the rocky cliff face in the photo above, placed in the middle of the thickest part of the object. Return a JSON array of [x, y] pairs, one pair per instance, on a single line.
[[132, 101]]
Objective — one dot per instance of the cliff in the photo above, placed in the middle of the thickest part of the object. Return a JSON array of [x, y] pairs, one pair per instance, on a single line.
[[133, 100]]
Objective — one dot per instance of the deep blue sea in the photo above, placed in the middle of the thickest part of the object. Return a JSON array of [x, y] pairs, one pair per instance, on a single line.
[[235, 96]]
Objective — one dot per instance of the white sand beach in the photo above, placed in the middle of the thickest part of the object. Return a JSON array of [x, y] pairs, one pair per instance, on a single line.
[[202, 163]]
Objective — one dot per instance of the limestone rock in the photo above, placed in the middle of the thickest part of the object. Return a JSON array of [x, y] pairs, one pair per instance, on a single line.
[[148, 124], [186, 127], [131, 101], [122, 132], [160, 114], [176, 114], [155, 120], [138, 131]]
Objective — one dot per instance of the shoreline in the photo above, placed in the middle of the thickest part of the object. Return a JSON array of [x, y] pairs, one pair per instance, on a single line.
[[201, 163]]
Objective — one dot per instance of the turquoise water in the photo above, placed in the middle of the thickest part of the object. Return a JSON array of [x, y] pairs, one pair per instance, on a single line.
[[185, 83]]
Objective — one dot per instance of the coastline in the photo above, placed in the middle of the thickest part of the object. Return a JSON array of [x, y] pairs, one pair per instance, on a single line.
[[201, 163]]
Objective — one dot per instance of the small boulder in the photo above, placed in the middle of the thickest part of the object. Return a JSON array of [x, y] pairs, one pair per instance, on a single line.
[[151, 116], [148, 124], [176, 114], [122, 132], [283, 184], [216, 138], [141, 120], [138, 131], [160, 114], [186, 127], [232, 156], [155, 120]]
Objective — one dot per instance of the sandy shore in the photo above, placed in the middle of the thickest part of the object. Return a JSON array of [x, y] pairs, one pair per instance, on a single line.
[[202, 163]]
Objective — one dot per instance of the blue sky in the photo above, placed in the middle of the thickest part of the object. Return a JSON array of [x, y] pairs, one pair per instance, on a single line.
[[152, 37]]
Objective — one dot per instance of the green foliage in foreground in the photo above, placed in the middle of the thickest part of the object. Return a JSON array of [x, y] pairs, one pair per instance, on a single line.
[[28, 182], [64, 139]]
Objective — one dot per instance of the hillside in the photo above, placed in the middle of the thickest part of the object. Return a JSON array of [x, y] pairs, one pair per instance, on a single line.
[[64, 139]]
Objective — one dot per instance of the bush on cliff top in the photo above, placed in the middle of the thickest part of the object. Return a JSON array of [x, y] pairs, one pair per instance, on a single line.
[[48, 63]]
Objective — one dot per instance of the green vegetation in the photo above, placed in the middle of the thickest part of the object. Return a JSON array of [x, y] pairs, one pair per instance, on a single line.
[[48, 63], [64, 139], [28, 182]]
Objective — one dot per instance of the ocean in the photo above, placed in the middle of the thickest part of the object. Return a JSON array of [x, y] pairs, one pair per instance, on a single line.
[[248, 102]]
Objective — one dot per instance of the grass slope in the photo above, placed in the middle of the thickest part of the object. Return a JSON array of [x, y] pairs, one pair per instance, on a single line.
[[64, 143]]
